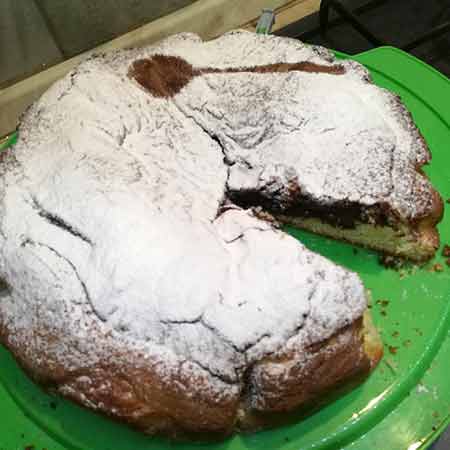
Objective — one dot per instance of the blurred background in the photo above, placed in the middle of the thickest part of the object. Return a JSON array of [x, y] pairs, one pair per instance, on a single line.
[[393, 22], [37, 33]]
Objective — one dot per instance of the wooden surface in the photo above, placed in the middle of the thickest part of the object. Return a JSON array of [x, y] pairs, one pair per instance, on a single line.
[[290, 13]]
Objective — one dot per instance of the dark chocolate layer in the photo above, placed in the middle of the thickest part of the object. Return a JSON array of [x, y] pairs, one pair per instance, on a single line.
[[165, 76], [343, 214]]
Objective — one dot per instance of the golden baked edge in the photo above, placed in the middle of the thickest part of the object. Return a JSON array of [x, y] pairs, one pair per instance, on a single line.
[[277, 390]]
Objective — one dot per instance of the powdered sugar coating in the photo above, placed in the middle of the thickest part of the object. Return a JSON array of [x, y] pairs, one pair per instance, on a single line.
[[340, 138], [112, 232]]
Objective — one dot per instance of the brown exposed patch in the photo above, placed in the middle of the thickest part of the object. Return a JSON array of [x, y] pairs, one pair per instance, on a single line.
[[446, 251], [165, 76], [303, 66], [447, 261]]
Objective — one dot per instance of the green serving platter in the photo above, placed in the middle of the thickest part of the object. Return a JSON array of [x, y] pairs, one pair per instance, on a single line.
[[404, 404]]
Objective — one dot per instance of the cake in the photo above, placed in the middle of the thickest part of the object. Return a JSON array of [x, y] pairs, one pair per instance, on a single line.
[[144, 276]]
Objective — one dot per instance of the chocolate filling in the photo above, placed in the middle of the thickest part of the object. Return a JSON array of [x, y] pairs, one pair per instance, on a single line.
[[342, 214], [165, 76]]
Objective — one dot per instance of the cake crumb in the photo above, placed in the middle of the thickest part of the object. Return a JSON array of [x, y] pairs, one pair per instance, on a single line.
[[437, 267], [447, 261], [407, 343], [392, 349], [383, 303], [383, 313], [421, 389], [395, 334], [446, 251], [448, 200], [391, 262]]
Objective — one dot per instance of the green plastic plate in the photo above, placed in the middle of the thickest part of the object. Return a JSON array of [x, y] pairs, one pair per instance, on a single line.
[[402, 406]]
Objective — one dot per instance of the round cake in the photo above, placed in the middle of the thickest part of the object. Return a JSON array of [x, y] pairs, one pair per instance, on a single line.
[[145, 272]]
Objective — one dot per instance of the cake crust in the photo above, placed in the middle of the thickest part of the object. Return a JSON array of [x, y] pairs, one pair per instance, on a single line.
[[130, 388]]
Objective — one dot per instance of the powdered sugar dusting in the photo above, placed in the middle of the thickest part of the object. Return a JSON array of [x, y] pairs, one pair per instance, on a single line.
[[113, 233], [271, 126]]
